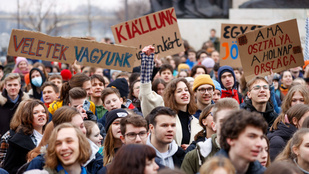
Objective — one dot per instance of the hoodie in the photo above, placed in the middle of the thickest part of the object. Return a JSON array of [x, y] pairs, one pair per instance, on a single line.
[[231, 93], [167, 159], [269, 115], [278, 138]]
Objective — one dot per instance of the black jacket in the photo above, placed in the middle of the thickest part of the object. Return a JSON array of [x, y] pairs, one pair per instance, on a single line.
[[279, 137], [7, 109], [19, 145], [254, 167], [269, 115]]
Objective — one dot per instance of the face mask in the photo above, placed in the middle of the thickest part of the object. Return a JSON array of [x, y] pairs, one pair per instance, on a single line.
[[37, 81]]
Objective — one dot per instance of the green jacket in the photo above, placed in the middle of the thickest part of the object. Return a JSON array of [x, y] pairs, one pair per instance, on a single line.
[[195, 158]]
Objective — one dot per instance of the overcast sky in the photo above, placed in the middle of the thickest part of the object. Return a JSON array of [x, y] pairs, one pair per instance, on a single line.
[[11, 5]]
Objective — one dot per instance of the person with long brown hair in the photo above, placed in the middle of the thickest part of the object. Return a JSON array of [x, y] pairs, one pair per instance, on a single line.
[[297, 94], [112, 140], [294, 118], [15, 122], [178, 96], [134, 159], [296, 150], [28, 135]]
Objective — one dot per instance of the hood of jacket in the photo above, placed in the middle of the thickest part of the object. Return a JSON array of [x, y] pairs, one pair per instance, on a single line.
[[284, 131], [224, 69], [269, 115], [172, 149]]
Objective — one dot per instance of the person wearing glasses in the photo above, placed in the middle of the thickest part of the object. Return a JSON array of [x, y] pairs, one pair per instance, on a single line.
[[133, 130], [227, 80], [258, 99], [203, 87]]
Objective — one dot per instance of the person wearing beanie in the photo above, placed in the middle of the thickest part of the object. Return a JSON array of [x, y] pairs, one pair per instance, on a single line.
[[227, 81], [122, 85], [209, 63], [183, 66], [66, 75], [112, 140], [22, 68], [217, 93], [203, 87]]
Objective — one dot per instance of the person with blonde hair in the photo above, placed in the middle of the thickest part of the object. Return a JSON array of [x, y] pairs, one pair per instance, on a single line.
[[217, 164], [67, 151]]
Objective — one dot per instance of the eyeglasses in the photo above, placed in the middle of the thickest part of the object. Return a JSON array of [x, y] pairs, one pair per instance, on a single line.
[[203, 90], [132, 135], [258, 87]]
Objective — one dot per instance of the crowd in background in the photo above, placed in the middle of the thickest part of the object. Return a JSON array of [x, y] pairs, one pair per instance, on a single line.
[[183, 113]]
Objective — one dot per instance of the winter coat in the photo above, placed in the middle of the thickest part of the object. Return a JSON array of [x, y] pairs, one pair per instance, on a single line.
[[19, 146], [254, 167], [195, 158], [175, 154], [7, 109], [269, 115], [278, 138]]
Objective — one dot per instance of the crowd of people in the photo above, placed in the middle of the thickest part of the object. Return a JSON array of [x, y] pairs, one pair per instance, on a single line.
[[181, 114]]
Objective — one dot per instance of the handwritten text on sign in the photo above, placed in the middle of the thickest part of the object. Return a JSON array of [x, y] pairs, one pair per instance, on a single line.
[[229, 50], [159, 29], [275, 47], [36, 45]]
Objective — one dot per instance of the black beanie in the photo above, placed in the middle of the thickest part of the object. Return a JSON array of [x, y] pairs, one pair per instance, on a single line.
[[113, 115], [122, 85]]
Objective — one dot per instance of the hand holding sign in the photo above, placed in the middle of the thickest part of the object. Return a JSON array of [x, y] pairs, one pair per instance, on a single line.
[[158, 29]]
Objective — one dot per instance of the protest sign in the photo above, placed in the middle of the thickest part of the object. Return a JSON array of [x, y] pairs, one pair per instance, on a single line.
[[229, 54], [159, 29], [275, 47], [35, 45]]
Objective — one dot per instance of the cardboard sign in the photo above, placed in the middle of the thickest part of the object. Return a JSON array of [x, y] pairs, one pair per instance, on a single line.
[[159, 29], [229, 54], [35, 45], [275, 47]]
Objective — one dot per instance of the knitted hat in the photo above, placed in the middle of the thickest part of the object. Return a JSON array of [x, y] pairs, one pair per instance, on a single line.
[[189, 79], [19, 59], [208, 62], [217, 85], [112, 71], [306, 63], [201, 80], [113, 115], [122, 85], [66, 74], [183, 66]]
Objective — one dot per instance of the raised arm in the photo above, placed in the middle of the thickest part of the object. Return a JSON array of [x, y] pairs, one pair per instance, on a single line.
[[149, 99]]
